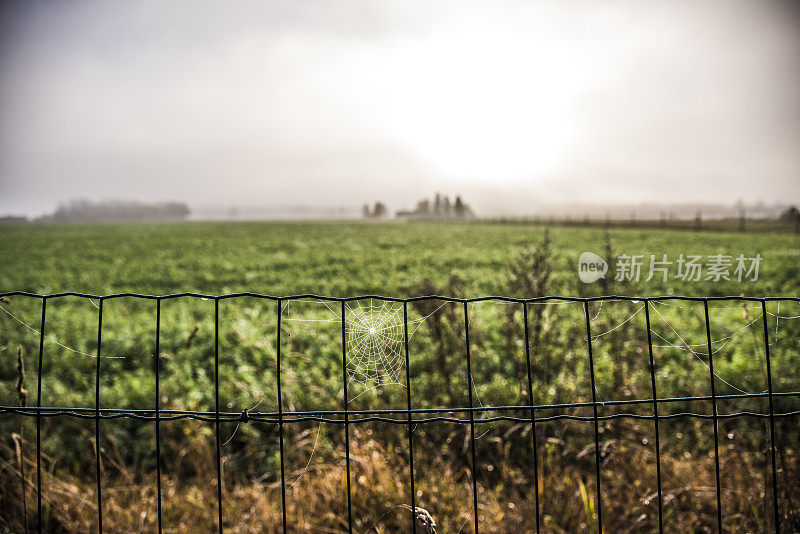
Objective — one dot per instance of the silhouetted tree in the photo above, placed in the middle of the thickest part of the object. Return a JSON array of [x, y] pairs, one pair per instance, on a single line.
[[792, 214], [459, 207]]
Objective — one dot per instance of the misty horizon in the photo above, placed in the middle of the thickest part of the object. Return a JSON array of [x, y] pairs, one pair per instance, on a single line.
[[512, 105], [300, 212]]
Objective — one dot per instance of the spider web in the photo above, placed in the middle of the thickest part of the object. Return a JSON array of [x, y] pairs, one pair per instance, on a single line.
[[374, 340], [374, 335]]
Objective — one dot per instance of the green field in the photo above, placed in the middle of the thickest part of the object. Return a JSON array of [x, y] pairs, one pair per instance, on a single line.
[[397, 260], [347, 259]]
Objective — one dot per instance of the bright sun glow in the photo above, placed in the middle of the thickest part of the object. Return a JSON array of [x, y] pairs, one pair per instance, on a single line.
[[498, 107]]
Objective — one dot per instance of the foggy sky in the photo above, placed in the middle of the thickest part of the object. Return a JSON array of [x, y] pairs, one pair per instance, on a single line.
[[512, 104]]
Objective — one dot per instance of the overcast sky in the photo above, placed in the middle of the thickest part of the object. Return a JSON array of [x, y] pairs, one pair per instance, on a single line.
[[512, 104]]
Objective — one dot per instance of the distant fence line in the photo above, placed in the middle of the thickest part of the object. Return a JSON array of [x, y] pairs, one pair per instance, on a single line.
[[697, 224]]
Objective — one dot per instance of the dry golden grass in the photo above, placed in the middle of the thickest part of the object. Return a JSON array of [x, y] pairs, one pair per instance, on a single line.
[[316, 497]]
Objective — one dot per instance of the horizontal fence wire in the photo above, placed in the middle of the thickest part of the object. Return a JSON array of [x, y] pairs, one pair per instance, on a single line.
[[526, 413]]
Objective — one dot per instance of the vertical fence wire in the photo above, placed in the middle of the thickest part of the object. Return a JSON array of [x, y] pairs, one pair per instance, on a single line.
[[216, 415], [471, 422], [97, 418], [533, 412], [655, 414], [776, 510], [410, 427], [280, 419], [346, 420], [714, 417], [596, 421], [158, 408], [39, 421]]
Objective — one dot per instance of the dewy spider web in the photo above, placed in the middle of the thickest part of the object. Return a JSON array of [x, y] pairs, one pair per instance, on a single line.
[[374, 337]]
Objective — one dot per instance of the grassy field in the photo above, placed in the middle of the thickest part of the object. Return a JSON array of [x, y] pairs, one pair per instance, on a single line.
[[349, 259], [345, 259]]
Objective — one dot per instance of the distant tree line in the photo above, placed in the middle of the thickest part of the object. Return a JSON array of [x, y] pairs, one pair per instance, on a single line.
[[117, 210], [13, 219]]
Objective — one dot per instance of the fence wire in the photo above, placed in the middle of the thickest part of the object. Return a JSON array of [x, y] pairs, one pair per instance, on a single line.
[[410, 417]]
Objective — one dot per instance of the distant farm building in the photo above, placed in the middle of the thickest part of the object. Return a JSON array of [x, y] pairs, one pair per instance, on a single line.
[[441, 209]]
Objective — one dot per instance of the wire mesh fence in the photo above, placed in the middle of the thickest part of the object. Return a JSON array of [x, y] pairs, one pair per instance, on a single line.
[[375, 349]]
